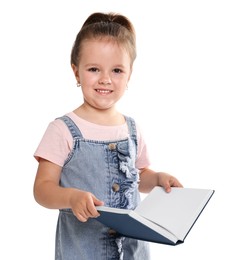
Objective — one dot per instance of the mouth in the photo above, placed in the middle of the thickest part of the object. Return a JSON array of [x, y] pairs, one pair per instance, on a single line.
[[104, 91]]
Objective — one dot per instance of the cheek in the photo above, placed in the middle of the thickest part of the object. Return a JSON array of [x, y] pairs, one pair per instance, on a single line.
[[119, 82], [121, 88], [88, 79]]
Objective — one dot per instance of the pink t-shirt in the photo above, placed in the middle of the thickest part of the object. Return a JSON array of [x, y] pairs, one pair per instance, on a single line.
[[57, 141]]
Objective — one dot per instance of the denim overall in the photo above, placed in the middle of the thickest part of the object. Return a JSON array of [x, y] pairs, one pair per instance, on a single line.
[[106, 169]]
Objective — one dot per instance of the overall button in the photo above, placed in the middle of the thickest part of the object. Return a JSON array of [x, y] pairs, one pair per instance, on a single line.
[[112, 146], [112, 232], [115, 187]]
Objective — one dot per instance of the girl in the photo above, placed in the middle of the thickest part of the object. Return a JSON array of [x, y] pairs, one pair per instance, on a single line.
[[95, 155]]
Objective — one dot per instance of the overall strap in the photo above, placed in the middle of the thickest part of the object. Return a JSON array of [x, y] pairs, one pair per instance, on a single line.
[[73, 128], [132, 128]]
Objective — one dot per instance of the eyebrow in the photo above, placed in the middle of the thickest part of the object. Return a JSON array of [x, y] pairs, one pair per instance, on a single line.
[[97, 65]]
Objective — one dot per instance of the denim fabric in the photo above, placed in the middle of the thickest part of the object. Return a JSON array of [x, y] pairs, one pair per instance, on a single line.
[[106, 169]]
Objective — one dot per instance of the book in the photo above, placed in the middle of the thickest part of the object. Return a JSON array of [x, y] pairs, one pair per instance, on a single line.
[[161, 217]]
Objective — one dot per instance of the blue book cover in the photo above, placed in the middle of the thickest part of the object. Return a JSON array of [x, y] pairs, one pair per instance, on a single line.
[[161, 217]]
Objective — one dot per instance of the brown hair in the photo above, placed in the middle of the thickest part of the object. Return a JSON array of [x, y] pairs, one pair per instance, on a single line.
[[101, 25]]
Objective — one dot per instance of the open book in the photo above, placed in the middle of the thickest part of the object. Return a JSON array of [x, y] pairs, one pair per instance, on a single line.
[[161, 217]]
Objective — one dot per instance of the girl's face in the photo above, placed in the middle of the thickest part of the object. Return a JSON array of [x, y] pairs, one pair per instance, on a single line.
[[103, 71]]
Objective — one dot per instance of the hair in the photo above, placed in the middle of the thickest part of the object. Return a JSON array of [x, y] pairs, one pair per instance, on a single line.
[[112, 26]]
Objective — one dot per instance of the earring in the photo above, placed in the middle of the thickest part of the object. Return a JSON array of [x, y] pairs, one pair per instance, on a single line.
[[78, 84]]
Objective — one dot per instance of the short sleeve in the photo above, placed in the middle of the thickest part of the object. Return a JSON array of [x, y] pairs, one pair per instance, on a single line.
[[55, 144], [143, 159]]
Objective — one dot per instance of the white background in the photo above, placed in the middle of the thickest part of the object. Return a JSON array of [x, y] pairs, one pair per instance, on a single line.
[[188, 93]]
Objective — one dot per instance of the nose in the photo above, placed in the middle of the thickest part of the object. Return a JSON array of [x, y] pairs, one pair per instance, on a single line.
[[105, 80]]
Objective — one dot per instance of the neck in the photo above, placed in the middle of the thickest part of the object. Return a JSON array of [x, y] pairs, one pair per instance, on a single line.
[[108, 116]]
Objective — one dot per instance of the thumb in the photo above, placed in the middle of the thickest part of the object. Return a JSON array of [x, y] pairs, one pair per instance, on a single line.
[[97, 202]]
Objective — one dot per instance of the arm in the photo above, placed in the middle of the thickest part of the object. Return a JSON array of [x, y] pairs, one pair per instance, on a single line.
[[149, 179], [48, 193]]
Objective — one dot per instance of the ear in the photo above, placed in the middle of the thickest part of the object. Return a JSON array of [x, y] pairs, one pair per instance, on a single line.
[[76, 72], [130, 74]]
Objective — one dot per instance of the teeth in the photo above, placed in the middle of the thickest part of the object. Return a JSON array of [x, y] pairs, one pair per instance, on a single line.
[[104, 91]]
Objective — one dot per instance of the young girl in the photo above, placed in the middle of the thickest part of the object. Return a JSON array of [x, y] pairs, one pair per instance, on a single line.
[[95, 155]]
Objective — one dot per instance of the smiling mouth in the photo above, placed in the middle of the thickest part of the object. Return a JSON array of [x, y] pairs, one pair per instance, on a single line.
[[104, 91]]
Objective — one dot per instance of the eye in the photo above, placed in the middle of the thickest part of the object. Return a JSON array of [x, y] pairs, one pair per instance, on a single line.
[[93, 69], [117, 71]]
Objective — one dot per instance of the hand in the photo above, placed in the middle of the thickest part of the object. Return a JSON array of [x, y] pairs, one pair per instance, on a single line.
[[167, 181], [83, 205]]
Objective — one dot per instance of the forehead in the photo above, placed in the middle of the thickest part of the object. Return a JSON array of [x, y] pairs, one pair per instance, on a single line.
[[103, 47], [103, 42]]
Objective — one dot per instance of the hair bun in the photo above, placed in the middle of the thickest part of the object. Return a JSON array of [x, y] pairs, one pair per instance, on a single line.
[[109, 18]]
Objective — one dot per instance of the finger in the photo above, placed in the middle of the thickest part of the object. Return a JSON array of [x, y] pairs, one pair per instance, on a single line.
[[175, 183], [167, 187], [83, 214], [91, 206], [172, 182], [81, 217], [92, 211], [97, 202]]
